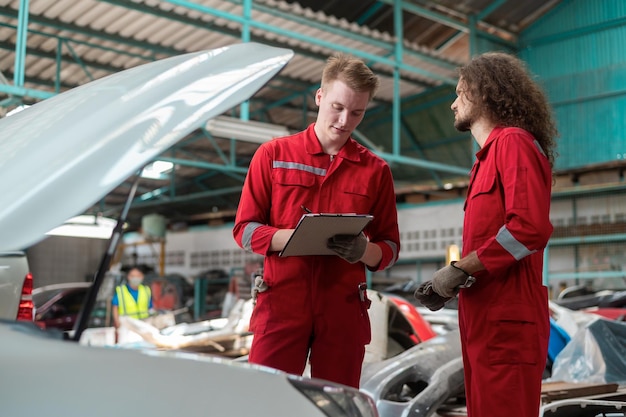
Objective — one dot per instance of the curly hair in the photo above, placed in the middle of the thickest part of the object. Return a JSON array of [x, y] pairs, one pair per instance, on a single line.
[[509, 96]]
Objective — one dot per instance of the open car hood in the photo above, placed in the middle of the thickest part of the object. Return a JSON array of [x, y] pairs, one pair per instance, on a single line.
[[62, 155]]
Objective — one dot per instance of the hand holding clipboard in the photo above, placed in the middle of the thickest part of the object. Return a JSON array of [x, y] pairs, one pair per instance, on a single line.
[[311, 235]]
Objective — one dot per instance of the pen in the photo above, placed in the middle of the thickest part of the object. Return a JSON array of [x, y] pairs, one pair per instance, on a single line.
[[306, 209]]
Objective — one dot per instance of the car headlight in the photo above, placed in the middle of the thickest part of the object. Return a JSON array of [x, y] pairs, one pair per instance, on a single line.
[[336, 400]]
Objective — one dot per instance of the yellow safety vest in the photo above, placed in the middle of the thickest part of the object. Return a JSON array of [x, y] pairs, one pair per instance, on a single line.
[[127, 306]]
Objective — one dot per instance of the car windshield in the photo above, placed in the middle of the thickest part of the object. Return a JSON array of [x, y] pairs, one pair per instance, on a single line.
[[41, 298]]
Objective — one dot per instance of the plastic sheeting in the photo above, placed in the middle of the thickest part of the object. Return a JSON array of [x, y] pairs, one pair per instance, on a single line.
[[596, 354]]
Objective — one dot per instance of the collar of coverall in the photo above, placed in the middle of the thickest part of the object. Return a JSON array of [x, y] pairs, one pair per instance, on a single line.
[[312, 145]]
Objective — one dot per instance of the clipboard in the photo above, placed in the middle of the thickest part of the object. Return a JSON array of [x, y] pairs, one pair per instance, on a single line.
[[314, 229]]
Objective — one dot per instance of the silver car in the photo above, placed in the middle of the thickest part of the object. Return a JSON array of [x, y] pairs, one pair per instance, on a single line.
[[16, 285], [84, 143]]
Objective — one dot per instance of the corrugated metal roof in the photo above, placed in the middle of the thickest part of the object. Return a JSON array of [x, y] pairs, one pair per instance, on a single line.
[[71, 42]]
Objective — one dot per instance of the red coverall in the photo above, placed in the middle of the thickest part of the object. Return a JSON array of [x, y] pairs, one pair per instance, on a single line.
[[504, 316], [313, 302]]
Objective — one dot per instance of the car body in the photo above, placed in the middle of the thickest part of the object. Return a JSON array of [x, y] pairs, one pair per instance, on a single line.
[[42, 375], [418, 380], [58, 305], [88, 140], [601, 293], [420, 327], [618, 314], [16, 284], [396, 326], [84, 143]]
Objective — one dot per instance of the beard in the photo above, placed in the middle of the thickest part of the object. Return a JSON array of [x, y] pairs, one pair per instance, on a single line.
[[463, 125]]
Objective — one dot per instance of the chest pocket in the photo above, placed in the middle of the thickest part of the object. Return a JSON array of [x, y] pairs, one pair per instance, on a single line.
[[292, 188], [484, 185], [356, 198], [294, 178], [480, 187], [484, 206]]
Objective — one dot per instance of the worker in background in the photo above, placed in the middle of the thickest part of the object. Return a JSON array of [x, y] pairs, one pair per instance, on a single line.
[[316, 306], [132, 299], [503, 305]]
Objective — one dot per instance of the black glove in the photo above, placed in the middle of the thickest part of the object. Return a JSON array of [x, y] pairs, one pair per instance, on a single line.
[[449, 280], [428, 298], [349, 247]]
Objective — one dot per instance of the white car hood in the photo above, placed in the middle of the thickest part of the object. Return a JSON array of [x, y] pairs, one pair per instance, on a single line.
[[46, 377], [62, 155]]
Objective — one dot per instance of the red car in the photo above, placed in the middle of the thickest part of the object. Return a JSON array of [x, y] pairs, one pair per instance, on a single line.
[[58, 305], [616, 313], [421, 329]]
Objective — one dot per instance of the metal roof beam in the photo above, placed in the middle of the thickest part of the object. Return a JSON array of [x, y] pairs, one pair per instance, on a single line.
[[308, 39], [138, 203], [489, 9], [435, 166], [418, 148], [389, 46], [457, 24], [25, 92], [64, 58], [236, 34], [57, 24], [369, 13]]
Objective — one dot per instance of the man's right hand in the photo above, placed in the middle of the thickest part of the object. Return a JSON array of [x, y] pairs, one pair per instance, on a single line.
[[429, 298]]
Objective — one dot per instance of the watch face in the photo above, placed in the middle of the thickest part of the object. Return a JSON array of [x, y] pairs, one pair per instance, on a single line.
[[468, 282]]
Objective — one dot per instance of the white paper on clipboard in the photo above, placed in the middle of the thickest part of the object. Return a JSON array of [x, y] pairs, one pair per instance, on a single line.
[[314, 230]]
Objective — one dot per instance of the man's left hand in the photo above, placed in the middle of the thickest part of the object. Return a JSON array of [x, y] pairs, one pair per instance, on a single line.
[[448, 280], [349, 247], [428, 298]]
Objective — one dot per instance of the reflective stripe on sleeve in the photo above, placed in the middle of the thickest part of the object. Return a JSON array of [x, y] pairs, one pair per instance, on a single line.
[[246, 239], [511, 245], [394, 250], [539, 148]]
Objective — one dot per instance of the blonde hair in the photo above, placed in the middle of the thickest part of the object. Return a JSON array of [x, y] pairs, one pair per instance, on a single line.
[[352, 71]]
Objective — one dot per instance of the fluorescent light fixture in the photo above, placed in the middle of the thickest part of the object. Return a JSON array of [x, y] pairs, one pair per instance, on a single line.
[[157, 170], [244, 130], [95, 227]]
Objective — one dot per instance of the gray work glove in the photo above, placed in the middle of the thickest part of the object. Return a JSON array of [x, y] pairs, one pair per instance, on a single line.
[[449, 280], [428, 298], [349, 247], [259, 286]]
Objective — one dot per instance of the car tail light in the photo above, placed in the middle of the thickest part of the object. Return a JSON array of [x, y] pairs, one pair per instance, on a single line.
[[335, 400], [26, 309]]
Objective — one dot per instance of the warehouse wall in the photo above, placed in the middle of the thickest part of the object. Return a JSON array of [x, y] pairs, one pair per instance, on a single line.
[[578, 50], [65, 259]]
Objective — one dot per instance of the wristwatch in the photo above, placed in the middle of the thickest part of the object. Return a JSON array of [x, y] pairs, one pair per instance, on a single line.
[[470, 278]]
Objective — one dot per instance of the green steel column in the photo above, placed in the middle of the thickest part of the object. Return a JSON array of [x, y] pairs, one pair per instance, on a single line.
[[473, 52], [399, 33], [245, 37], [546, 257], [20, 45], [473, 35], [59, 59]]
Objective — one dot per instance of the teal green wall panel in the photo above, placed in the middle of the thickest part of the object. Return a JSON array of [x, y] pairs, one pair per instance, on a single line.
[[578, 52], [574, 17], [591, 134]]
